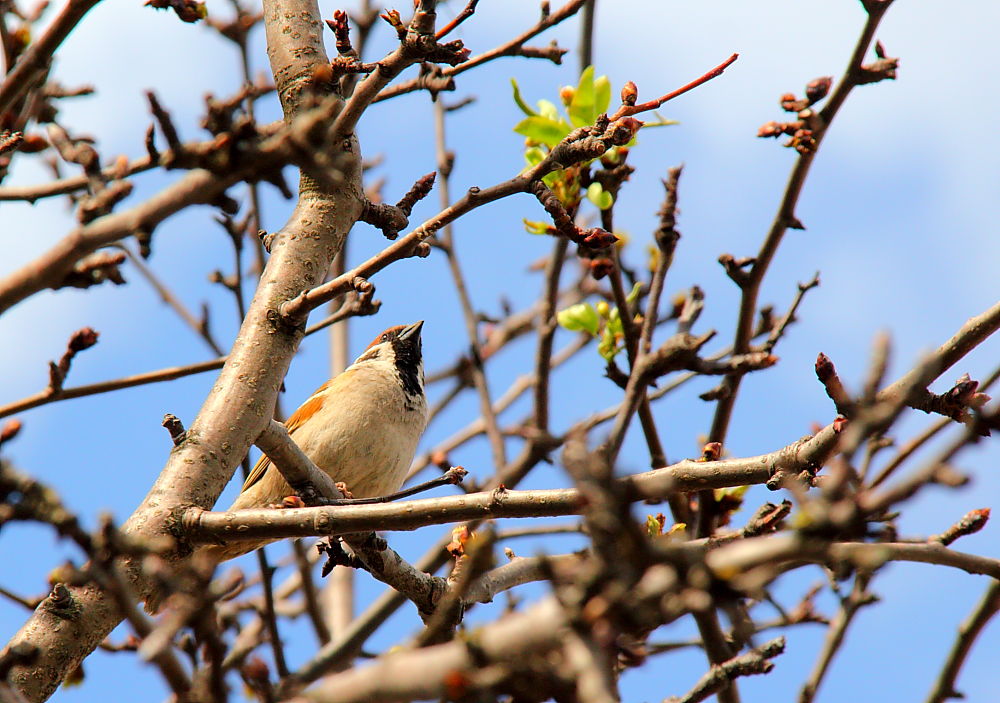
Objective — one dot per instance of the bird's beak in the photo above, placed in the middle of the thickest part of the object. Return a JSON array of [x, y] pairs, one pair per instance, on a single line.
[[411, 331]]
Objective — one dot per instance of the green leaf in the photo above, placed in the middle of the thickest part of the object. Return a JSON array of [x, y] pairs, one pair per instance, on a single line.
[[519, 101], [599, 197], [607, 347], [547, 108], [615, 322], [581, 110], [543, 130], [602, 95], [591, 98], [677, 531], [735, 492], [533, 155], [579, 318], [533, 227], [550, 179], [654, 525], [633, 294]]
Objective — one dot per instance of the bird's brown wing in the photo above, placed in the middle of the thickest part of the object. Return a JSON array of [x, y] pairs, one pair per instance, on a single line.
[[257, 473], [305, 411]]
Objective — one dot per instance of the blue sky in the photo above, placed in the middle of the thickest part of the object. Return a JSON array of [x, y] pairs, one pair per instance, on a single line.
[[900, 217]]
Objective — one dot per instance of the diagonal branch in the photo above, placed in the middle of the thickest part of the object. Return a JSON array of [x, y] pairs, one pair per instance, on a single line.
[[944, 688], [238, 406], [34, 63], [756, 661], [784, 220]]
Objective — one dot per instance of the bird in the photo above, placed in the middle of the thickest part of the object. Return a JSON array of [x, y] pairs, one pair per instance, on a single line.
[[360, 427]]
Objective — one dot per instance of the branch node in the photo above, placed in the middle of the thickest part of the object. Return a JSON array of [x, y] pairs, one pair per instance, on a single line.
[[417, 192], [734, 268], [175, 427], [83, 338], [267, 240], [972, 522], [168, 129], [10, 430], [826, 372], [336, 555], [388, 218]]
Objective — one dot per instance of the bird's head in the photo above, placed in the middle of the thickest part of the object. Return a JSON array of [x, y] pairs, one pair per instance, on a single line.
[[400, 347]]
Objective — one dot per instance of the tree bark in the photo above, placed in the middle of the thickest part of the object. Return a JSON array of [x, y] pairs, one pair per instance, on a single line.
[[241, 403]]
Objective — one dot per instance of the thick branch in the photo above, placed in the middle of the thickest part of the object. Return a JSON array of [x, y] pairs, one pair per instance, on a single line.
[[240, 403], [684, 477], [352, 306], [424, 673]]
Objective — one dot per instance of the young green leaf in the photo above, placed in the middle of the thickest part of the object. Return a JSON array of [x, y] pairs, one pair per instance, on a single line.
[[599, 197], [533, 155], [543, 130], [602, 95], [547, 108], [608, 347], [581, 109], [660, 121], [579, 318], [615, 323], [633, 294], [535, 227], [654, 525], [735, 493], [519, 101]]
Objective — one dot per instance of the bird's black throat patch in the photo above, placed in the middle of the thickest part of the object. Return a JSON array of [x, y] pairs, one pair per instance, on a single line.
[[407, 353]]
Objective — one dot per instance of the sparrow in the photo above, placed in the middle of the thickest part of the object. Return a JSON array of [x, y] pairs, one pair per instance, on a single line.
[[360, 427]]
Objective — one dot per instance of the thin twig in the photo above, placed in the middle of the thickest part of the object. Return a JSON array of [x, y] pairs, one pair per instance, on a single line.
[[510, 48], [970, 629], [309, 593], [858, 598], [173, 302], [444, 163], [464, 14], [348, 309], [270, 619], [756, 661], [546, 332], [627, 110], [783, 220]]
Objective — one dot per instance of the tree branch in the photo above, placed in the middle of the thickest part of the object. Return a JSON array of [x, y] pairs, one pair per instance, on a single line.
[[237, 408]]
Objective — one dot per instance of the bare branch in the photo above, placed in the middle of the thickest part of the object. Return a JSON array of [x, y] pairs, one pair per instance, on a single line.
[[944, 688], [756, 661]]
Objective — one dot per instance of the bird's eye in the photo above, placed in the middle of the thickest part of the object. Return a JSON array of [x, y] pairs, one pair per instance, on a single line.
[[385, 338]]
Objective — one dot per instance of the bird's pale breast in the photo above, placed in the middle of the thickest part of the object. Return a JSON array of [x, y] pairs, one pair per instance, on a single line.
[[365, 436]]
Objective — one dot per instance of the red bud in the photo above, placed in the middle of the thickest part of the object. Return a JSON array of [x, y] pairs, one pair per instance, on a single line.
[[711, 451], [83, 339], [629, 93], [10, 430], [599, 268], [817, 89]]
